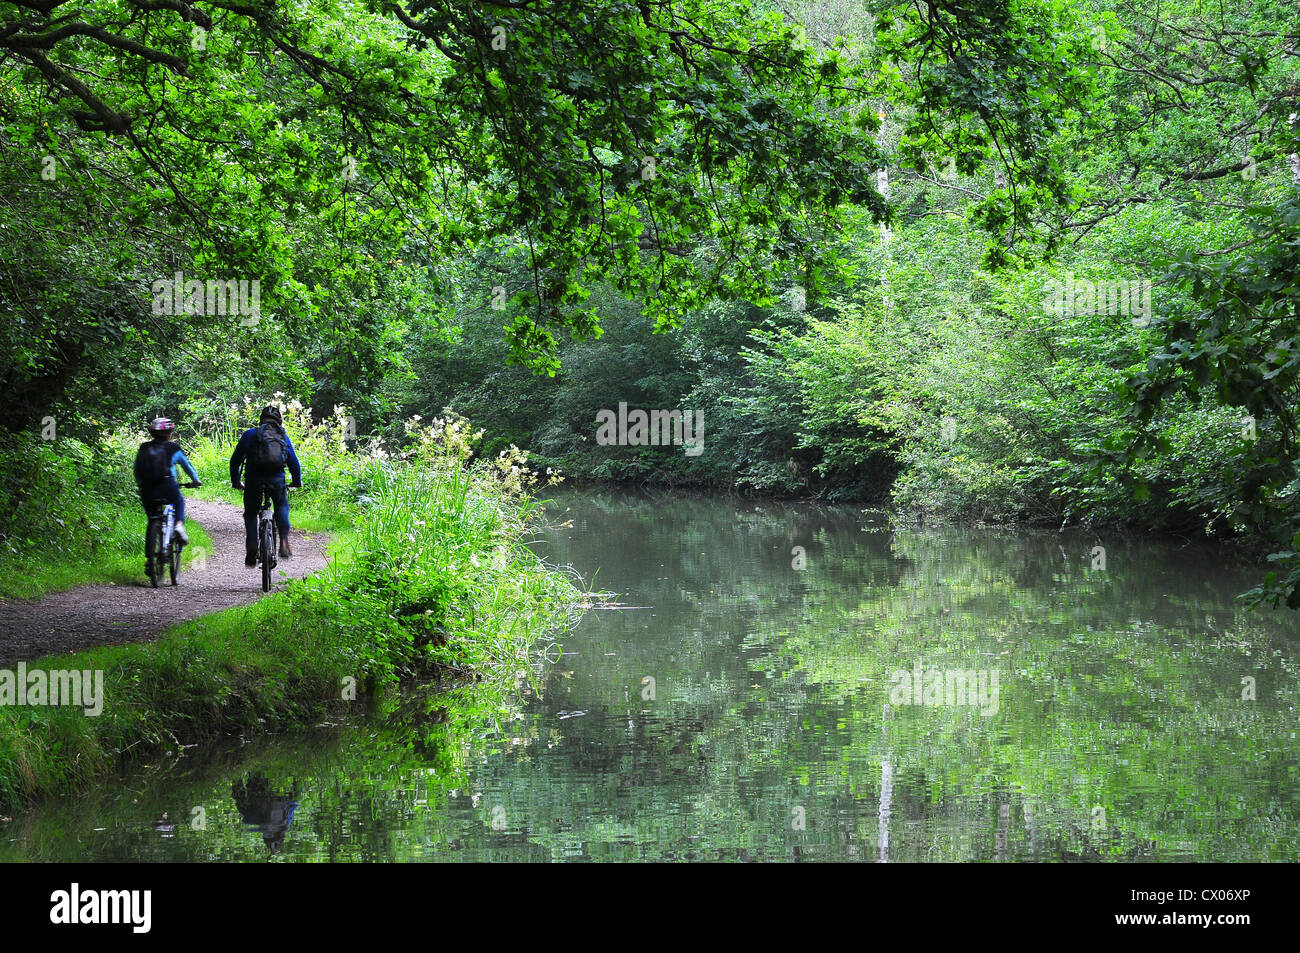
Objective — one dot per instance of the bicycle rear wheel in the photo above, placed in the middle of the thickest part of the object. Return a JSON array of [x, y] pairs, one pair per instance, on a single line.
[[153, 552], [266, 550]]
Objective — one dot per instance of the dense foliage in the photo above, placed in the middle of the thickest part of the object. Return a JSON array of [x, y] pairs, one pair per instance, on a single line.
[[989, 259]]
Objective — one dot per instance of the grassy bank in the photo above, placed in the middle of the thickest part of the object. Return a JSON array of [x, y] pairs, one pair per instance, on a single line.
[[431, 576]]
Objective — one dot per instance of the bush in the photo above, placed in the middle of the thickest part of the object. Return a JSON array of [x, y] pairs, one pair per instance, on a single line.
[[70, 513]]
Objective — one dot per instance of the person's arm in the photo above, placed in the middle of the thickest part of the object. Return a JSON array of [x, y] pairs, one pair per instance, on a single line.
[[237, 459], [295, 468], [135, 469], [180, 460]]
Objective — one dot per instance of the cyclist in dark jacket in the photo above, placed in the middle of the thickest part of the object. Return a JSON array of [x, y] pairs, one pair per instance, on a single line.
[[258, 472], [153, 472]]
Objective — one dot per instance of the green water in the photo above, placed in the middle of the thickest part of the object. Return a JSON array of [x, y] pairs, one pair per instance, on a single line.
[[775, 726]]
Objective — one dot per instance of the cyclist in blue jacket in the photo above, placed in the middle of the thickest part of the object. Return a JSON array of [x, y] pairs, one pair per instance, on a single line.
[[153, 472], [264, 452]]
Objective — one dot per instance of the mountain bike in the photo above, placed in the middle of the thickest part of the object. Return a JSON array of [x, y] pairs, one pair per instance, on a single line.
[[268, 535], [161, 552]]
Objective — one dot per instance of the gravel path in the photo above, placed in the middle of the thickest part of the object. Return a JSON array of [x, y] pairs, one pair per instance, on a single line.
[[110, 614]]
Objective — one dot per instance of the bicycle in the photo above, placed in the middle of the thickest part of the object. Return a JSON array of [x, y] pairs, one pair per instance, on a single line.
[[268, 535], [161, 553]]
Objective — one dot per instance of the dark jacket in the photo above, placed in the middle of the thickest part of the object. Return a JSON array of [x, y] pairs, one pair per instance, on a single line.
[[245, 446]]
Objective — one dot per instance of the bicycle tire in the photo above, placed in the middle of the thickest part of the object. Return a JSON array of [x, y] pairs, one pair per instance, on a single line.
[[176, 561], [153, 552], [265, 544]]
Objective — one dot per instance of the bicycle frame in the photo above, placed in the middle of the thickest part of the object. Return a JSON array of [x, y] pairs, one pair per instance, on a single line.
[[161, 548], [168, 517], [267, 534], [162, 517], [267, 510]]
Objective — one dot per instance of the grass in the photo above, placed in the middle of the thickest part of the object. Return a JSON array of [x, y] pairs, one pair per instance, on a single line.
[[431, 576]]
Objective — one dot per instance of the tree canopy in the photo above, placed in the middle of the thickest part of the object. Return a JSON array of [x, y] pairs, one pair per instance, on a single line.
[[849, 211]]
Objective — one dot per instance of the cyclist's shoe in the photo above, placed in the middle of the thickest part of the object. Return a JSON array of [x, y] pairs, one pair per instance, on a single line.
[[250, 556], [285, 551], [179, 532]]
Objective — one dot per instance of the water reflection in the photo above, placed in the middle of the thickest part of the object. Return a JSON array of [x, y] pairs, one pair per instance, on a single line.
[[265, 811], [738, 707]]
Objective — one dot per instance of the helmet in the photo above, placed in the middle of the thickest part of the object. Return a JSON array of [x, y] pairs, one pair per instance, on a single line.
[[272, 412], [162, 427]]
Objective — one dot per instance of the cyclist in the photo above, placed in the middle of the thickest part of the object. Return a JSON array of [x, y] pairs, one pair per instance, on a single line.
[[154, 476], [263, 452]]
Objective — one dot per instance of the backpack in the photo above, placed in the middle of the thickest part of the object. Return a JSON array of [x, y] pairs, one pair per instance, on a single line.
[[271, 448], [155, 462]]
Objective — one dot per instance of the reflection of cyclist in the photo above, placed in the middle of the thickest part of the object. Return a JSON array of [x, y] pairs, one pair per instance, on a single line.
[[265, 810], [153, 472], [264, 451]]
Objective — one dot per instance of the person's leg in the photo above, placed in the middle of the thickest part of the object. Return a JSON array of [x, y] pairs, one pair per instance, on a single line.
[[145, 497], [178, 504], [252, 497], [282, 519], [282, 509]]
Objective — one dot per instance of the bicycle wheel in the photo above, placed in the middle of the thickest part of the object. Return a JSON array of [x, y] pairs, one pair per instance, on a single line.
[[153, 552], [265, 550], [176, 560]]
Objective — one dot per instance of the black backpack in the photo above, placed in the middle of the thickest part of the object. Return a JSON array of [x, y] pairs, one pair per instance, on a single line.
[[271, 450], [155, 462]]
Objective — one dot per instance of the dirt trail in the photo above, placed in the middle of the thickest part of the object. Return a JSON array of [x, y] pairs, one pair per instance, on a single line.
[[109, 614]]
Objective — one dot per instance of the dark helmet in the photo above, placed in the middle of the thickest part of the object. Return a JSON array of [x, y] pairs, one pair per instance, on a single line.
[[272, 413], [161, 427]]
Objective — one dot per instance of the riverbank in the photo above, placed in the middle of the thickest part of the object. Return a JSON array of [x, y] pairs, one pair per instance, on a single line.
[[1242, 548], [430, 576]]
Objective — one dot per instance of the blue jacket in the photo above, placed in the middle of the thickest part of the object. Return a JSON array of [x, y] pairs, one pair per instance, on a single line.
[[245, 446]]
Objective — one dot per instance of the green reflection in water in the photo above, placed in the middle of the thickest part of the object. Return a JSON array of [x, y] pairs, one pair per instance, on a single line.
[[1120, 730]]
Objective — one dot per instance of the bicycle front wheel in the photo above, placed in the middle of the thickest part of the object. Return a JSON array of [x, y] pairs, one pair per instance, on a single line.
[[176, 561]]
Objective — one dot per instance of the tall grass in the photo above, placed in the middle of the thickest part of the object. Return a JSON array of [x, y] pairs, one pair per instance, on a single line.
[[337, 467]]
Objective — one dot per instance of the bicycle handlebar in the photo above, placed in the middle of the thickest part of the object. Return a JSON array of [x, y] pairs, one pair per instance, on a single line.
[[265, 487], [191, 486]]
